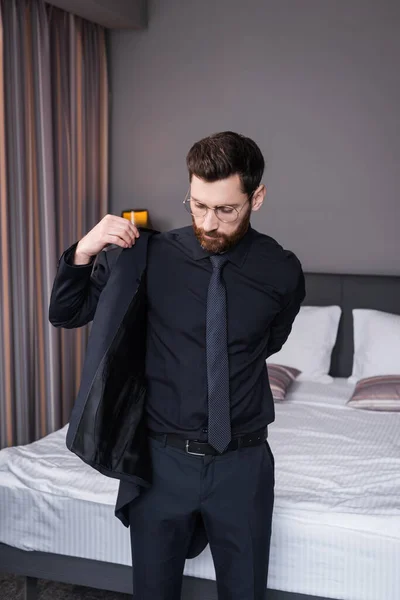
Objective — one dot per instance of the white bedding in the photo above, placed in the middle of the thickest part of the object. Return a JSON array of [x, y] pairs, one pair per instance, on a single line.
[[336, 527], [334, 458]]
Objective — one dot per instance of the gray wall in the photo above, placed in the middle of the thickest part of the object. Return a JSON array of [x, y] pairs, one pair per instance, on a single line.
[[315, 82]]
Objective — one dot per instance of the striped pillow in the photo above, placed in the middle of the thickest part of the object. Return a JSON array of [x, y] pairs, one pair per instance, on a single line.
[[377, 393], [280, 379]]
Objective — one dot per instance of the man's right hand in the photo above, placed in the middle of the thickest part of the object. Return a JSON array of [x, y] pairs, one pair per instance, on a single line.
[[110, 230]]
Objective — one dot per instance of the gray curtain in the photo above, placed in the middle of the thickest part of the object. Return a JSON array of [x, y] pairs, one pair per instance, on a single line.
[[53, 189]]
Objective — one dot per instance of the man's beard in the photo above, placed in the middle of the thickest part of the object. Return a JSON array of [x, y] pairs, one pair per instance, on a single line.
[[221, 242]]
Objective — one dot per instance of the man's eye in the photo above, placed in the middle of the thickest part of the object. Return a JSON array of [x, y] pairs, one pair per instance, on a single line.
[[225, 210], [199, 205]]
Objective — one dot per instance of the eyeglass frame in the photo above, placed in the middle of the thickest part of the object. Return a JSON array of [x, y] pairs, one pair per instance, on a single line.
[[187, 198]]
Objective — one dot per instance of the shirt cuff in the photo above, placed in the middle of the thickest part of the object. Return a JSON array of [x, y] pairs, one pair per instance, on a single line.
[[68, 257]]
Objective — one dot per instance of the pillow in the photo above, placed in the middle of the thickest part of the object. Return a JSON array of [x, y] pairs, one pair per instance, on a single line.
[[377, 393], [280, 379], [376, 344], [310, 343]]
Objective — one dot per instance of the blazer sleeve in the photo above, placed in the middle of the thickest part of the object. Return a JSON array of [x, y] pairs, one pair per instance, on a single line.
[[282, 323], [77, 288]]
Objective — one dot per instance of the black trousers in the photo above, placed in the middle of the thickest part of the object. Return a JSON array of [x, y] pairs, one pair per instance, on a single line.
[[233, 494]]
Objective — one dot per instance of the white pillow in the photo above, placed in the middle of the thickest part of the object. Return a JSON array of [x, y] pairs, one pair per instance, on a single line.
[[376, 344], [310, 343]]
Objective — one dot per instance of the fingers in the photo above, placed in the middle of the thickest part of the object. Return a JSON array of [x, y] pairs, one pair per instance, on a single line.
[[127, 227], [113, 220], [120, 230], [125, 233], [118, 240]]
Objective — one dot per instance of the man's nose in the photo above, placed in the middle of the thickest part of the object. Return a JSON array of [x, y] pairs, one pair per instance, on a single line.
[[210, 221]]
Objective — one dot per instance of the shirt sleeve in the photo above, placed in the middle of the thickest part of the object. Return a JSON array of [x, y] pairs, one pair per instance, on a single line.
[[76, 289], [282, 323], [69, 256]]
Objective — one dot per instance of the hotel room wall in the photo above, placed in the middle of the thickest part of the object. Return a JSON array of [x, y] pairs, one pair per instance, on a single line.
[[316, 84]]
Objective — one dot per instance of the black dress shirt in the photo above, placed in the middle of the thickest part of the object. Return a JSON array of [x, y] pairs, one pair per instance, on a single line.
[[265, 287]]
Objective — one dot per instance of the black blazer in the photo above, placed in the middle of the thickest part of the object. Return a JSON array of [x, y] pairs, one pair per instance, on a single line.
[[106, 429]]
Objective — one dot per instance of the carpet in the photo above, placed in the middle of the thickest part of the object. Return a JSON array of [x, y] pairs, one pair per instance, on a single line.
[[11, 588]]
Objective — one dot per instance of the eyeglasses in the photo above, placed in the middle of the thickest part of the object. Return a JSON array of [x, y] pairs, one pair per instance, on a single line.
[[226, 214]]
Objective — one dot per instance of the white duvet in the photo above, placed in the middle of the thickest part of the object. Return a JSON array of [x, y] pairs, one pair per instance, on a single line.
[[48, 466], [328, 457], [334, 458]]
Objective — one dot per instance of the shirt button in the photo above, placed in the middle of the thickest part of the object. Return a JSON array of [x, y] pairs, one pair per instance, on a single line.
[[205, 430]]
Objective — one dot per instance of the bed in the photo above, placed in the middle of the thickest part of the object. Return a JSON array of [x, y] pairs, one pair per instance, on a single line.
[[336, 525]]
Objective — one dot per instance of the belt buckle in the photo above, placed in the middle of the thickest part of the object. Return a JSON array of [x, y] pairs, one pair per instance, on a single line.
[[188, 451]]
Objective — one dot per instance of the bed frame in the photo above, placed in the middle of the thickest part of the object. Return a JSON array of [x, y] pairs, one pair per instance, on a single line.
[[380, 292]]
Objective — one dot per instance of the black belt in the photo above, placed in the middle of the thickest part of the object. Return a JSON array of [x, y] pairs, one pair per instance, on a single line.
[[203, 448]]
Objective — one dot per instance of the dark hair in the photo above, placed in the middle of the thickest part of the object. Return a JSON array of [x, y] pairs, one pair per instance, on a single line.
[[221, 155]]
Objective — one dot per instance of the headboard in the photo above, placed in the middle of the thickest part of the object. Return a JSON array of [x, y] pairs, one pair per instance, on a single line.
[[379, 292]]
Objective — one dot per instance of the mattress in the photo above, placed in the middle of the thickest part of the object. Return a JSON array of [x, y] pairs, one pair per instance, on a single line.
[[336, 524]]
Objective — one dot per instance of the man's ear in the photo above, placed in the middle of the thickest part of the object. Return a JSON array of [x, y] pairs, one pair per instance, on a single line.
[[258, 197]]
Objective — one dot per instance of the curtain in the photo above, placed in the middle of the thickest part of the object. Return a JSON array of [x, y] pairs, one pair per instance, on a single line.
[[53, 189]]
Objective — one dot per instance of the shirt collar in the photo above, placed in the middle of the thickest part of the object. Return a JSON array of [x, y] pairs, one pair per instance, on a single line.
[[237, 255]]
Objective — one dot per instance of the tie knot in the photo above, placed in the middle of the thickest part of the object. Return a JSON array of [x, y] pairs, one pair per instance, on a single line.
[[218, 260]]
